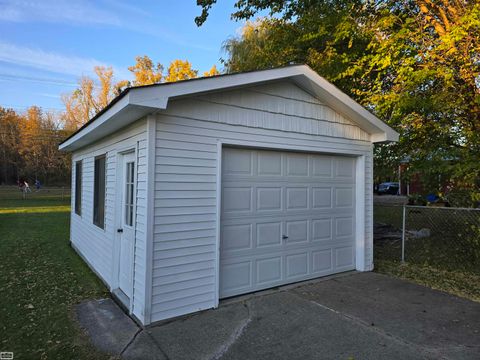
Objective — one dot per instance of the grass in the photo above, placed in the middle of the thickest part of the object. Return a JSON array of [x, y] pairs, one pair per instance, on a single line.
[[447, 260], [459, 283], [41, 279]]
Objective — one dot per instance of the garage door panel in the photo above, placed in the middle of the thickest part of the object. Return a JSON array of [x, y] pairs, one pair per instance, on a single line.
[[237, 162], [322, 229], [343, 227], [285, 217], [269, 198], [344, 197], [344, 257], [269, 163], [269, 270], [236, 277], [322, 166], [296, 265], [237, 199], [297, 164], [345, 167], [322, 197], [269, 234], [297, 231], [237, 237], [322, 261], [297, 198]]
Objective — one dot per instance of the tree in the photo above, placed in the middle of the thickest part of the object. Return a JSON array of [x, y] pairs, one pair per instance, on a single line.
[[9, 144], [82, 104], [145, 71], [212, 72], [105, 77], [413, 63], [180, 70]]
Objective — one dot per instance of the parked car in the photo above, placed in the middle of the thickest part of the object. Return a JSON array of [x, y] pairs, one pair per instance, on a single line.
[[388, 188]]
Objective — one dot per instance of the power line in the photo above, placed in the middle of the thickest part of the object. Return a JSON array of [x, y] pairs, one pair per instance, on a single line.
[[26, 107], [52, 81]]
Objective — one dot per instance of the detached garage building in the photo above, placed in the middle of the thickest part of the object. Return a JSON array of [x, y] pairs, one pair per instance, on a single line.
[[189, 192]]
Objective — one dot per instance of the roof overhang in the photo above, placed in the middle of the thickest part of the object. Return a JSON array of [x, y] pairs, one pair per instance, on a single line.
[[136, 102]]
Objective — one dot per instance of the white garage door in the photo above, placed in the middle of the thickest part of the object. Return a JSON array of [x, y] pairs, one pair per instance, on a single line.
[[285, 217]]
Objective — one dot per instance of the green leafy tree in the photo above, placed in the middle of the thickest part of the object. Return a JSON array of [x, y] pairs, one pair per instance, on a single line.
[[415, 64]]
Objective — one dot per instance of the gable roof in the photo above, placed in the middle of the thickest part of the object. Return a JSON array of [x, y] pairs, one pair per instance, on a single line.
[[136, 102]]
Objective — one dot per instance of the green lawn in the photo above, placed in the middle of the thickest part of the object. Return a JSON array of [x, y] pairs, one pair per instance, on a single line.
[[41, 278]]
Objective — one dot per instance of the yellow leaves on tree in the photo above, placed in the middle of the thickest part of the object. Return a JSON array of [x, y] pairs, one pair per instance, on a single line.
[[39, 135], [105, 77], [81, 104], [92, 95], [180, 70], [212, 72], [145, 71]]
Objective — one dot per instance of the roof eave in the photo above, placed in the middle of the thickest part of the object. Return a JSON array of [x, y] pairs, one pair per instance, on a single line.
[[138, 102]]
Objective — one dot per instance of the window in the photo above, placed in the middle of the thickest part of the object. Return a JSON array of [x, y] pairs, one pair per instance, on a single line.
[[99, 192], [78, 187], [129, 189]]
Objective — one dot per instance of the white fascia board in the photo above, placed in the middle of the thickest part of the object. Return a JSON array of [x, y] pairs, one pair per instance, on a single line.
[[158, 96], [115, 109]]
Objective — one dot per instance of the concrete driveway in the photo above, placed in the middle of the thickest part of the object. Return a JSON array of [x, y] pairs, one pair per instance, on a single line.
[[354, 316]]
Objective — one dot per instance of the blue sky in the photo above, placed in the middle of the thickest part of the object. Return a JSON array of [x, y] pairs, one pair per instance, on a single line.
[[46, 45]]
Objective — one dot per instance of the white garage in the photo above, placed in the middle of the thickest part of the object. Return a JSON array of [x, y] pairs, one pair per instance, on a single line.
[[189, 192]]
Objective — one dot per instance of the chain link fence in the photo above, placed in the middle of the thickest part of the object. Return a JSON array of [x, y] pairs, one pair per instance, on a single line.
[[446, 238], [440, 237], [13, 192]]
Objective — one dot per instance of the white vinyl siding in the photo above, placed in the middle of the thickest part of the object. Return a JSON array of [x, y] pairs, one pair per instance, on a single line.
[[95, 245], [188, 133]]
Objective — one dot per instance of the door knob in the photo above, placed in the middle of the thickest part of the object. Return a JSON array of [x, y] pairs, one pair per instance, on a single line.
[[119, 230]]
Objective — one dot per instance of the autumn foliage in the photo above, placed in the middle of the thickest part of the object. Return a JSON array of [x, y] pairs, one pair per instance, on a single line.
[[415, 64], [29, 141]]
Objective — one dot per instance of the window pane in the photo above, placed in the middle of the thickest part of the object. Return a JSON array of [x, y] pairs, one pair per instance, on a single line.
[[127, 194], [99, 192], [131, 194], [78, 187]]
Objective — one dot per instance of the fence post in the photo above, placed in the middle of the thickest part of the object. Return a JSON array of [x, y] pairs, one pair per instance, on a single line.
[[403, 233]]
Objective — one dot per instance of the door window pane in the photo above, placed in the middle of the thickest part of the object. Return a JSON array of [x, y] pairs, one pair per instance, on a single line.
[[129, 193]]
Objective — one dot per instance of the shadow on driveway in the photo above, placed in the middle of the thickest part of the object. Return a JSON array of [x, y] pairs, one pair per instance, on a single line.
[[355, 316]]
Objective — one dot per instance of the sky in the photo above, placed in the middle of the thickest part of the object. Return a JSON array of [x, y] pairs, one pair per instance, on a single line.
[[46, 45]]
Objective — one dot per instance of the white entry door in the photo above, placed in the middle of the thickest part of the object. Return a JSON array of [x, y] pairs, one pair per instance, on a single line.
[[126, 230], [285, 217]]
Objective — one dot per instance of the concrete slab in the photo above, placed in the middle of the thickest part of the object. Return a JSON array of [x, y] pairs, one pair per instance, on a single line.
[[440, 323], [353, 316], [286, 326], [108, 327], [207, 335], [143, 347]]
